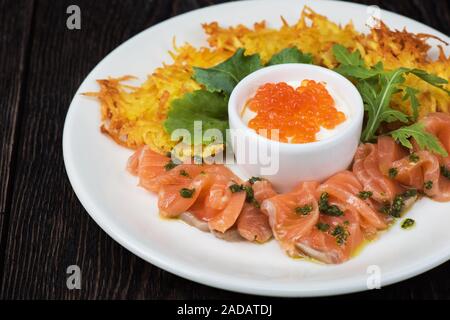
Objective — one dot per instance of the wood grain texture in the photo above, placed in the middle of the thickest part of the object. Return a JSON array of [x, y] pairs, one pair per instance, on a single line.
[[48, 229], [14, 39]]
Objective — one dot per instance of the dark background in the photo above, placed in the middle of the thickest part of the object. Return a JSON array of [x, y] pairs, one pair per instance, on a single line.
[[43, 227]]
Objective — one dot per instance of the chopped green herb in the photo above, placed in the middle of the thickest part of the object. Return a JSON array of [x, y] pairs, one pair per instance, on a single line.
[[326, 208], [365, 194], [236, 188], [186, 193], [393, 173], [168, 154], [428, 185], [409, 193], [323, 226], [250, 196], [340, 234], [445, 172], [398, 203], [170, 165], [306, 209], [386, 208], [184, 173], [413, 157], [408, 223], [397, 206], [346, 223], [252, 180]]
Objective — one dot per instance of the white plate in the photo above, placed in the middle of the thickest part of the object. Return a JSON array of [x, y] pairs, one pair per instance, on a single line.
[[96, 168]]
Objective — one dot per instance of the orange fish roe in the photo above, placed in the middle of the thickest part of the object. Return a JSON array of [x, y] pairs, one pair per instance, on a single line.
[[297, 113]]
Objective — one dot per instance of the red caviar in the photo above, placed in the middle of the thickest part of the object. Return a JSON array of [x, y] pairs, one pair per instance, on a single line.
[[297, 113]]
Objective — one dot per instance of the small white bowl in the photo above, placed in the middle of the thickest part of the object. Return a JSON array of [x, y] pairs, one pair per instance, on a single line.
[[287, 164]]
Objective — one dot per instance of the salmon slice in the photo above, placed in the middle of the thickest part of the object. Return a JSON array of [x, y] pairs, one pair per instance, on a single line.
[[367, 169], [133, 161], [343, 188], [252, 223], [438, 124], [216, 203], [388, 152], [289, 226], [172, 203], [226, 218], [323, 246], [180, 175]]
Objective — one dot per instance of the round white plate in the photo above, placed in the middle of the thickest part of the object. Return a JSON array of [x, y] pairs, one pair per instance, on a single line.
[[96, 169]]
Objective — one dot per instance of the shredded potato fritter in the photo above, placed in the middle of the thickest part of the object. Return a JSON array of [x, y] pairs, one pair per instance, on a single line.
[[134, 116]]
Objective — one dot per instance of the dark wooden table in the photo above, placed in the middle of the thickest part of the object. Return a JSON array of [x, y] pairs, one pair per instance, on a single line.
[[43, 227]]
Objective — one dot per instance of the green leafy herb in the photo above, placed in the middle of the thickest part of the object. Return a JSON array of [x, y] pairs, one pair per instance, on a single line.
[[377, 86], [445, 172], [187, 193], [409, 193], [397, 206], [428, 185], [184, 173], [209, 108], [322, 226], [340, 234], [250, 196], [236, 188], [424, 139], [170, 165], [413, 157], [408, 223], [398, 203], [226, 75], [249, 193], [392, 173], [326, 208], [346, 58], [365, 194], [252, 180], [411, 94], [305, 210], [290, 55]]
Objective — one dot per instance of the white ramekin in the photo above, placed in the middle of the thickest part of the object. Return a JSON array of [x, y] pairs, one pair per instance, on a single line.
[[296, 162]]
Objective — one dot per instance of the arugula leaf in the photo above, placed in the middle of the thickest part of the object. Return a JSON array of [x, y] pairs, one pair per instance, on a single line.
[[290, 55], [410, 93], [201, 105], [377, 104], [226, 75], [432, 79], [424, 139], [377, 86]]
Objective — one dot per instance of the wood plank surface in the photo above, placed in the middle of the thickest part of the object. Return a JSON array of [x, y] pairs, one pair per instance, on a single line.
[[14, 39], [47, 229]]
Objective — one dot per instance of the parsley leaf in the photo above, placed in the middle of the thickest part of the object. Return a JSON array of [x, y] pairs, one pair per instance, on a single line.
[[201, 105], [226, 75], [424, 139], [347, 58], [290, 55]]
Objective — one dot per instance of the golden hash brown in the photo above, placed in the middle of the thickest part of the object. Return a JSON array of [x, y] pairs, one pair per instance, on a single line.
[[133, 116]]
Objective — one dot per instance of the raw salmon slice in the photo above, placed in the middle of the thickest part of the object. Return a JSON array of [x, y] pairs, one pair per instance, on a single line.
[[367, 169], [288, 225], [343, 188], [253, 224]]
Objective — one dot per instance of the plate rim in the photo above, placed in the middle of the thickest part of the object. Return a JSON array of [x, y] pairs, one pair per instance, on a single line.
[[153, 257]]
